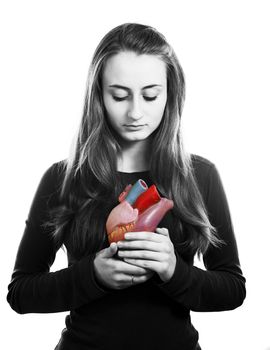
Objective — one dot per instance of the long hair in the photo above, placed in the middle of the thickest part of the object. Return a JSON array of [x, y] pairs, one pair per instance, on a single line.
[[90, 175]]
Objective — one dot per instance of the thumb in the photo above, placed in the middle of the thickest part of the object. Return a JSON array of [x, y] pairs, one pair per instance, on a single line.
[[110, 251], [163, 231]]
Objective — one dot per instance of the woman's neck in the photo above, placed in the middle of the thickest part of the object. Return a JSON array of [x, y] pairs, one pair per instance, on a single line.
[[135, 156]]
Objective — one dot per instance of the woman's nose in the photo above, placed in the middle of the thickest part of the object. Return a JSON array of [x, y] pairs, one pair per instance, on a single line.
[[135, 111]]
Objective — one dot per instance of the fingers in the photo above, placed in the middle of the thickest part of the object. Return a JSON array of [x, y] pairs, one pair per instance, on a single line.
[[154, 266], [109, 251], [116, 273], [131, 280], [141, 279], [130, 269], [137, 244], [163, 231], [141, 254], [148, 236], [113, 248]]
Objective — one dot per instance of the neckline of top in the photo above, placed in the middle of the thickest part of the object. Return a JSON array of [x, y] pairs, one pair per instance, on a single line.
[[133, 172]]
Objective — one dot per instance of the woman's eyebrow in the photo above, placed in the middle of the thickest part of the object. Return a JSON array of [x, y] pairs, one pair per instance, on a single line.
[[128, 89]]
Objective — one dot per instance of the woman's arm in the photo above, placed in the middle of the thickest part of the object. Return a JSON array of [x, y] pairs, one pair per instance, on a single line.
[[33, 288], [222, 285]]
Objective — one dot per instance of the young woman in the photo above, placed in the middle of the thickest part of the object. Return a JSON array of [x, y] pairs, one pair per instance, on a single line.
[[136, 293]]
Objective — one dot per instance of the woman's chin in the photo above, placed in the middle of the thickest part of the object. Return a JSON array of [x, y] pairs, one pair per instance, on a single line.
[[135, 137]]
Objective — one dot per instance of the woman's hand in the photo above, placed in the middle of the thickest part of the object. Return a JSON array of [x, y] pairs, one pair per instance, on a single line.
[[150, 250], [117, 274]]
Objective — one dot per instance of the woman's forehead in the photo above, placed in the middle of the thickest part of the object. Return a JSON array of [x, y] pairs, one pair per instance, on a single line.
[[128, 69]]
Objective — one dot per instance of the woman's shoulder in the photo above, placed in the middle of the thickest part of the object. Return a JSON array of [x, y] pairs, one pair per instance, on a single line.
[[53, 177], [201, 164], [203, 169], [58, 168]]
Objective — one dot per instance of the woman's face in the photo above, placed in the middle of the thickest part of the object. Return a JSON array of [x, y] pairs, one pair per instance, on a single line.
[[134, 94]]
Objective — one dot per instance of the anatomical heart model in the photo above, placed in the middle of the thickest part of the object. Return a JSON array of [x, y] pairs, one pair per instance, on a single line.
[[140, 209]]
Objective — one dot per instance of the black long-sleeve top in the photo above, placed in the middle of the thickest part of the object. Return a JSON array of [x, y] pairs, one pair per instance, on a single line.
[[150, 315]]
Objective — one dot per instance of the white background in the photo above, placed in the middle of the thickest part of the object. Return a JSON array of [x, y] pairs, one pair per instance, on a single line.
[[223, 46]]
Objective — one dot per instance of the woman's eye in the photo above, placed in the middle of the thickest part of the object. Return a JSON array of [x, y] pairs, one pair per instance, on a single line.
[[119, 98], [149, 98]]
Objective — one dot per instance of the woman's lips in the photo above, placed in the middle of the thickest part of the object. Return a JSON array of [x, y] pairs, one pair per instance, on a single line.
[[134, 127]]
